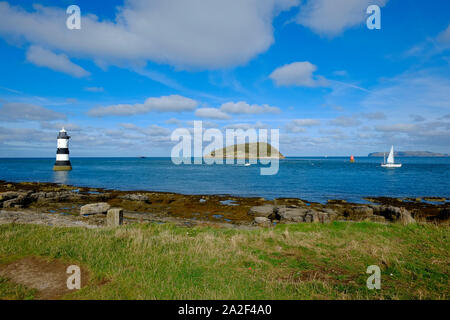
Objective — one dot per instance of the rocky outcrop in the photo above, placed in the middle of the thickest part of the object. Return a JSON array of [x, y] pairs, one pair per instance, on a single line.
[[95, 208], [359, 213], [22, 199], [291, 214], [262, 221], [67, 200], [134, 197], [23, 217], [397, 214], [15, 199], [266, 211]]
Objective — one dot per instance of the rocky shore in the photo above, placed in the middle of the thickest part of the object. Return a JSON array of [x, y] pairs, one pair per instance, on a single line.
[[63, 205]]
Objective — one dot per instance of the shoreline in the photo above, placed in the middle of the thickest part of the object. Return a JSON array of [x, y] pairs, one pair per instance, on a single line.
[[42, 199], [360, 199]]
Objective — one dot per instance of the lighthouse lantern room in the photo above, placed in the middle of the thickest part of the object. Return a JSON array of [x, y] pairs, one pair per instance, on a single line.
[[62, 153]]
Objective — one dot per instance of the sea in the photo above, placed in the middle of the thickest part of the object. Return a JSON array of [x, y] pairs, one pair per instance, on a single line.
[[315, 179]]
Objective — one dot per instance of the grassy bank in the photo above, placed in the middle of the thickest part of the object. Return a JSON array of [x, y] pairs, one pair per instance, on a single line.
[[304, 261]]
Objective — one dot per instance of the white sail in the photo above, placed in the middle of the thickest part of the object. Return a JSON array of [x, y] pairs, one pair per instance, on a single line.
[[390, 158]]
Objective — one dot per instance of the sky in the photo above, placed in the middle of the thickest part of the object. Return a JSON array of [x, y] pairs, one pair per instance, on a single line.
[[139, 69]]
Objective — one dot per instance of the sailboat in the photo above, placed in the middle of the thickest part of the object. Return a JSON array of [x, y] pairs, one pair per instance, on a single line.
[[390, 160]]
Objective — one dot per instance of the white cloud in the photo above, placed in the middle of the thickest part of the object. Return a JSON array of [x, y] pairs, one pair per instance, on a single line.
[[205, 124], [345, 122], [59, 125], [24, 136], [173, 121], [156, 131], [444, 37], [173, 103], [298, 125], [431, 46], [16, 111], [332, 17], [242, 107], [306, 122], [152, 130], [187, 34], [418, 92], [378, 115], [56, 62], [417, 117], [398, 127], [246, 126], [212, 113], [297, 74], [130, 126]]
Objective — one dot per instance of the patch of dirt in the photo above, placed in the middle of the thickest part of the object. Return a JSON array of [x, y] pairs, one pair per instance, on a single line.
[[49, 278]]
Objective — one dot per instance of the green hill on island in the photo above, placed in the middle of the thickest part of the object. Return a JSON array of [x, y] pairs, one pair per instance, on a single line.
[[254, 150], [409, 154]]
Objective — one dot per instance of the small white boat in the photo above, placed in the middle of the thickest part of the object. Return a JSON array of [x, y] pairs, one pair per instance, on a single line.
[[247, 164], [390, 163]]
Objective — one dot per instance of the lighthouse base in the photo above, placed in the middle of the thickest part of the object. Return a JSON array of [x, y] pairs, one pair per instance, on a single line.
[[62, 168]]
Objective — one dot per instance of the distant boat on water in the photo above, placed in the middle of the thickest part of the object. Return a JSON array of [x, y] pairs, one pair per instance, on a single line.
[[390, 163]]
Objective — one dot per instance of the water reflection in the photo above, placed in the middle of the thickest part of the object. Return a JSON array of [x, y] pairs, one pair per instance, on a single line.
[[61, 177]]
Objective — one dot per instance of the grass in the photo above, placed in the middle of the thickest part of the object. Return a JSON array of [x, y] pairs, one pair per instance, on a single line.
[[11, 291], [303, 261]]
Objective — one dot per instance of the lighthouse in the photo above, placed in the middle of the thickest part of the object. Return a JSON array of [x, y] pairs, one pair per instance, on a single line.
[[62, 153]]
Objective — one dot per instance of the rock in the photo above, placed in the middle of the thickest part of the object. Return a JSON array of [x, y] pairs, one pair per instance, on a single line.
[[405, 217], [331, 213], [397, 214], [287, 214], [262, 211], [17, 200], [312, 216], [376, 208], [134, 197], [94, 208], [358, 213], [114, 217], [362, 211], [325, 217], [4, 196], [262, 221]]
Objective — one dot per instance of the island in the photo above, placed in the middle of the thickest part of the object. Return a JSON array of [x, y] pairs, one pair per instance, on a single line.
[[409, 154], [251, 151]]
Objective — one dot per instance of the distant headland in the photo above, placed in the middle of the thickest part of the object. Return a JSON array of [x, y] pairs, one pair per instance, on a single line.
[[250, 151], [410, 154]]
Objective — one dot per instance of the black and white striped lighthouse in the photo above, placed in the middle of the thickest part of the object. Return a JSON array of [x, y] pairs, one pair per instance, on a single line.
[[62, 153]]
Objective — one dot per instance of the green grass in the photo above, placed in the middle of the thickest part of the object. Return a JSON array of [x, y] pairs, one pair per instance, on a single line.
[[304, 261], [11, 291]]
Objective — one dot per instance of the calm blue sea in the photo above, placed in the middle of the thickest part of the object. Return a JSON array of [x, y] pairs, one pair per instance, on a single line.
[[313, 179]]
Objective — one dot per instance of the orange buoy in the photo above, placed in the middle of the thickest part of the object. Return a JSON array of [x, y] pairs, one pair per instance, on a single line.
[[352, 158]]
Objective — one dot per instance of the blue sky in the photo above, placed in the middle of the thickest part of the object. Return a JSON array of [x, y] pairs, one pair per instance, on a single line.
[[139, 69]]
